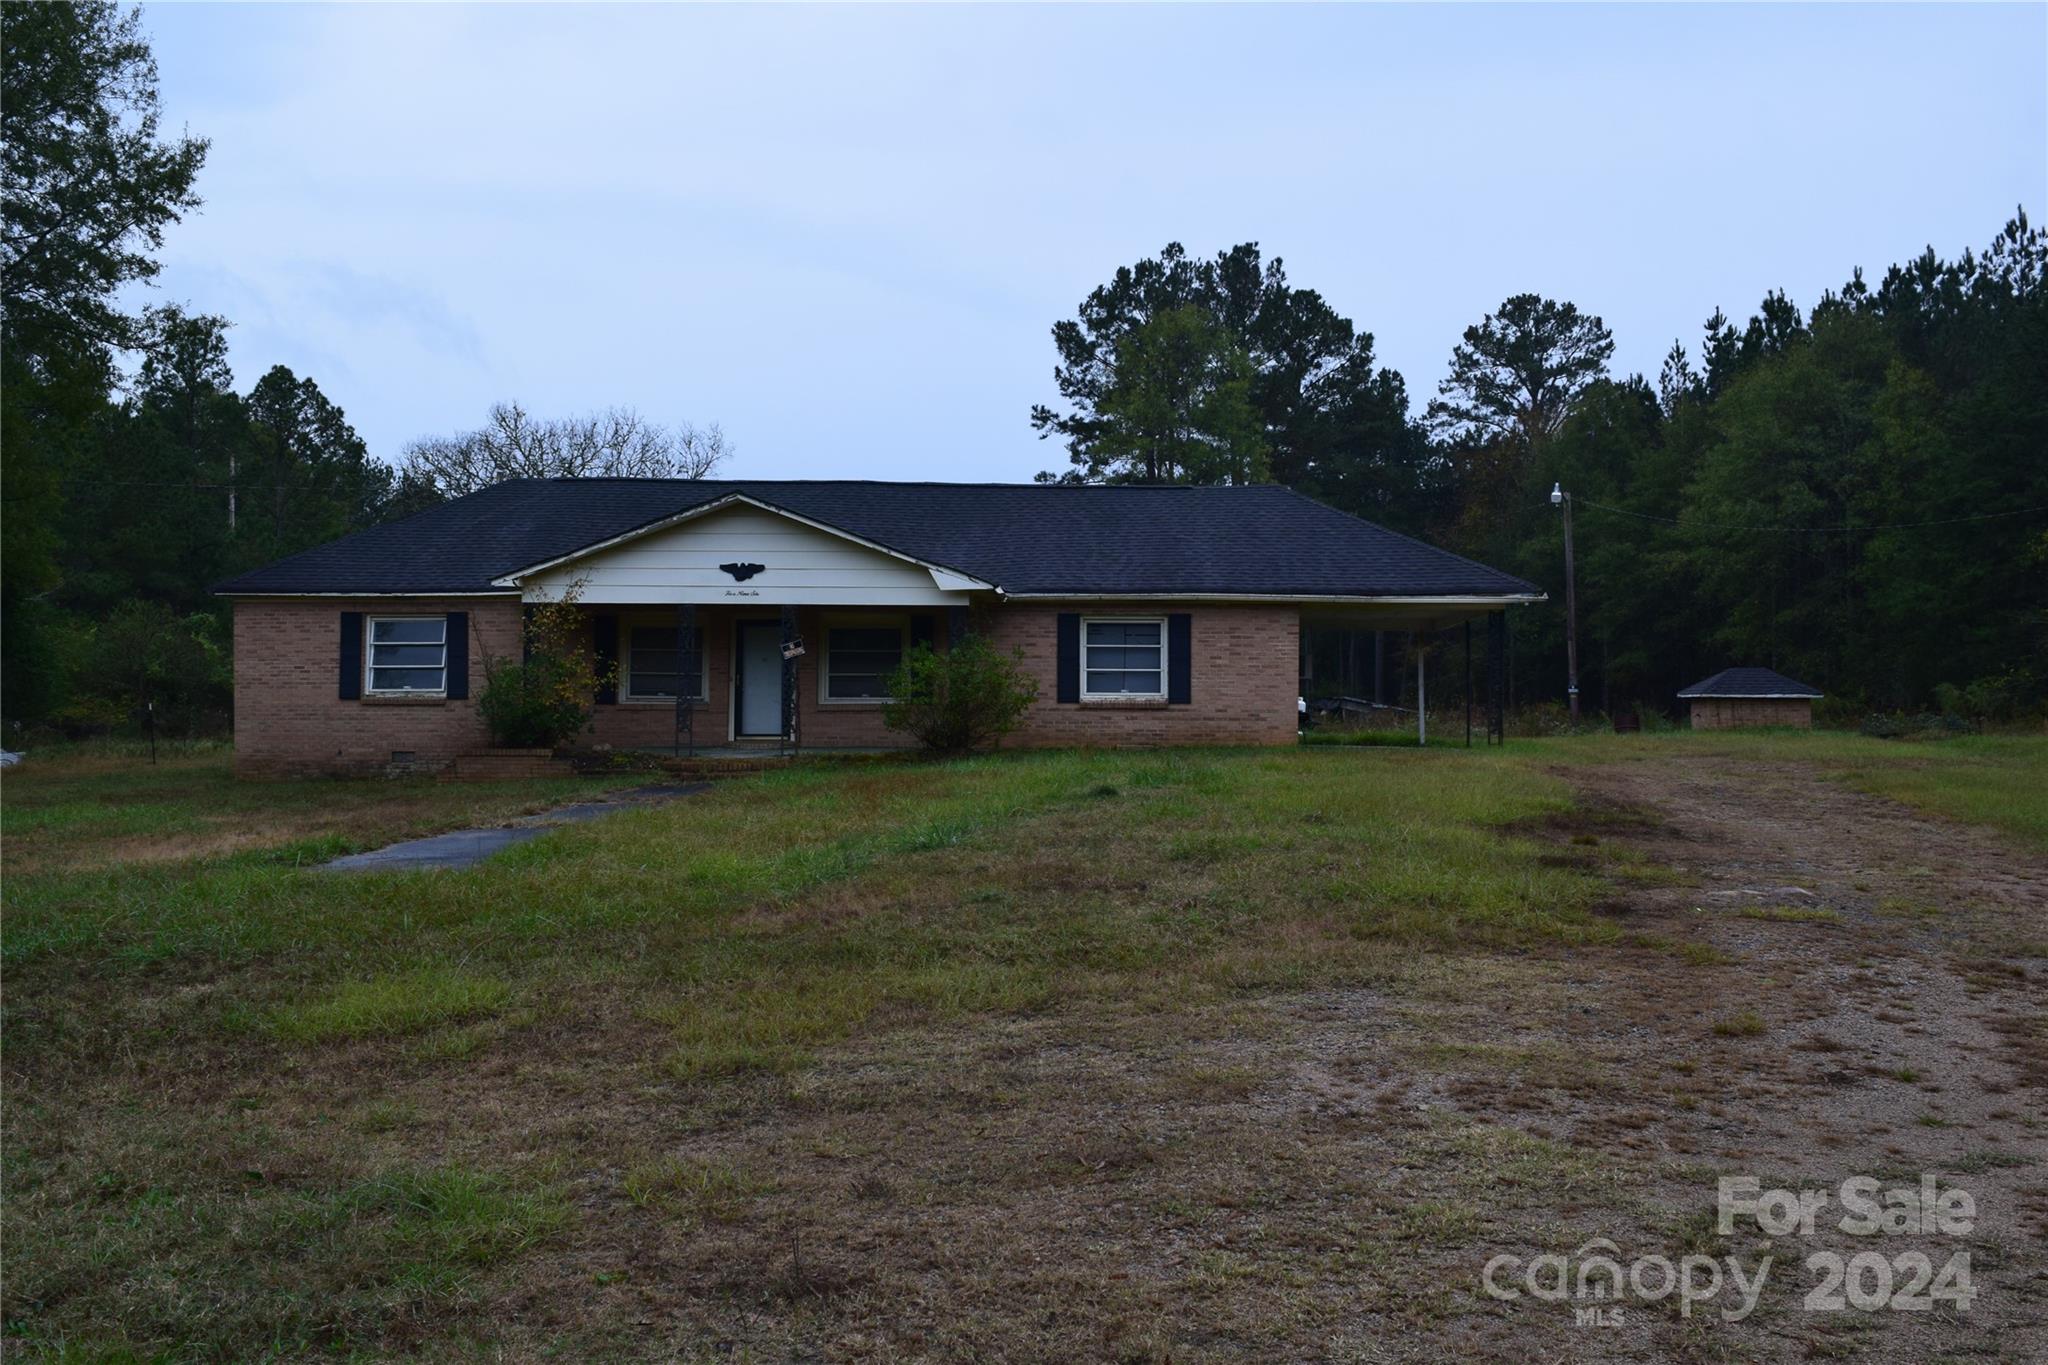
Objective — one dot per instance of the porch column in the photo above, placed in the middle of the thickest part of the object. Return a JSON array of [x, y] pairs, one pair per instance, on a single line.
[[790, 738]]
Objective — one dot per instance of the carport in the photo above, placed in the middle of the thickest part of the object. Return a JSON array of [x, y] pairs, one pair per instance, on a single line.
[[1364, 628]]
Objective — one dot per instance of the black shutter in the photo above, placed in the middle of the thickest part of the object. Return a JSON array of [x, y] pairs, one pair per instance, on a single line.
[[1068, 653], [604, 648], [351, 655], [1180, 658], [526, 633], [924, 630], [458, 655]]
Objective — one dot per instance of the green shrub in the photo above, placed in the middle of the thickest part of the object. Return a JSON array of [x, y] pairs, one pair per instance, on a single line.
[[1838, 712], [2012, 695], [1927, 724], [959, 701], [545, 700], [538, 704]]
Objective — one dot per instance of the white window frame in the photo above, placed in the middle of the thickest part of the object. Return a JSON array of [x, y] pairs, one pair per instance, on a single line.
[[626, 694], [1164, 685], [370, 689], [901, 624]]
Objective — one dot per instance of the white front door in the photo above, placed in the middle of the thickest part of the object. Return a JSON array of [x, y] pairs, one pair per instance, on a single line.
[[759, 678]]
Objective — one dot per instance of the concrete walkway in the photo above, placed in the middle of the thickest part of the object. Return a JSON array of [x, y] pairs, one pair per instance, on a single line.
[[468, 847]]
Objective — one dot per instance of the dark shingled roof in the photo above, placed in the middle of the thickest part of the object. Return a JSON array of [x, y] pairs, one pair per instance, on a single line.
[[1749, 682], [1025, 538]]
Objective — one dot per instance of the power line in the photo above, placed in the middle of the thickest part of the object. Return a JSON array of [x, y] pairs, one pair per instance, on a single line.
[[245, 485], [1824, 530]]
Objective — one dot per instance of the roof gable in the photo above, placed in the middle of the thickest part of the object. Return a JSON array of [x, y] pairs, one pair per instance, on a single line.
[[741, 548]]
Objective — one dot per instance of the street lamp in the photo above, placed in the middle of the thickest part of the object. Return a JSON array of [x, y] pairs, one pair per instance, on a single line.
[[1560, 498]]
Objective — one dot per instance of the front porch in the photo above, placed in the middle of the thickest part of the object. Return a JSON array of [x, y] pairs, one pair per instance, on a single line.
[[737, 623], [740, 684]]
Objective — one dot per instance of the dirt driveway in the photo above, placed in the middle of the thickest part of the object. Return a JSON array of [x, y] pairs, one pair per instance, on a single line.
[[1812, 985], [1828, 985]]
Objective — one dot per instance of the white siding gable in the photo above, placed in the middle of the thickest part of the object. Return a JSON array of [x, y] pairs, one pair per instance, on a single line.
[[800, 564]]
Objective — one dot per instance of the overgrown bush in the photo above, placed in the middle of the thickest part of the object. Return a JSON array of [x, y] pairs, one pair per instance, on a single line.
[[142, 665], [546, 699], [1899, 725], [2012, 695], [538, 704], [1537, 719], [953, 703]]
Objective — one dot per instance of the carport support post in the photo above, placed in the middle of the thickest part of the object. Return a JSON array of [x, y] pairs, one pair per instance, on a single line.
[[1421, 697], [1496, 677], [1468, 683]]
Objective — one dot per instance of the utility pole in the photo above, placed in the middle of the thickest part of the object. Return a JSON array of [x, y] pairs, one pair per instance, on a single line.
[[1560, 498]]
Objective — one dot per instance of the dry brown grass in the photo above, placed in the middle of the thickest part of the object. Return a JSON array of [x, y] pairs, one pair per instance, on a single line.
[[986, 1064]]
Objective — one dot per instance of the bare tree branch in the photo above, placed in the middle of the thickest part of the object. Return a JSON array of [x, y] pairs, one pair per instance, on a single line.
[[613, 443]]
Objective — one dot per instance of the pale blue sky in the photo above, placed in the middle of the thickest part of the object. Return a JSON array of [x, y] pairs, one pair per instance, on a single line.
[[844, 233]]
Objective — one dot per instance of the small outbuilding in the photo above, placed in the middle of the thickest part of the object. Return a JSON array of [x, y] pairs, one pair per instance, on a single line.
[[1736, 697]]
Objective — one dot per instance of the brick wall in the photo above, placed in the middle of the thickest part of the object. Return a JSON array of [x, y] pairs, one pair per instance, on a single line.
[[289, 716], [1244, 683], [1244, 688], [290, 720], [1733, 713]]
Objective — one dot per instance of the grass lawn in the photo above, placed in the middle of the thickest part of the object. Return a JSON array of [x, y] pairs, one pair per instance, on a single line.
[[105, 804], [752, 1071]]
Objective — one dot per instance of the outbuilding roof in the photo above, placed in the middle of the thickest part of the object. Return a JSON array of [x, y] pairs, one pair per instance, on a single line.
[[1029, 539], [1749, 682]]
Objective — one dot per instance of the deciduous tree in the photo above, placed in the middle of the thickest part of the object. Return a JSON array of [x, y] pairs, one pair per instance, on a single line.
[[616, 442]]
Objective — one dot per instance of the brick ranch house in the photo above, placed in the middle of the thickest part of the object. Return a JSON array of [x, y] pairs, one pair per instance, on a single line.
[[1147, 615]]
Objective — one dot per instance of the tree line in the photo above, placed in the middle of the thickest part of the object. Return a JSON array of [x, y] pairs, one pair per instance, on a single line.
[[134, 473], [1855, 494]]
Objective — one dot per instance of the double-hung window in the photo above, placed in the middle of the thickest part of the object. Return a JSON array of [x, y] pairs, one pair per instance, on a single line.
[[652, 665], [408, 655], [1123, 657], [859, 660]]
